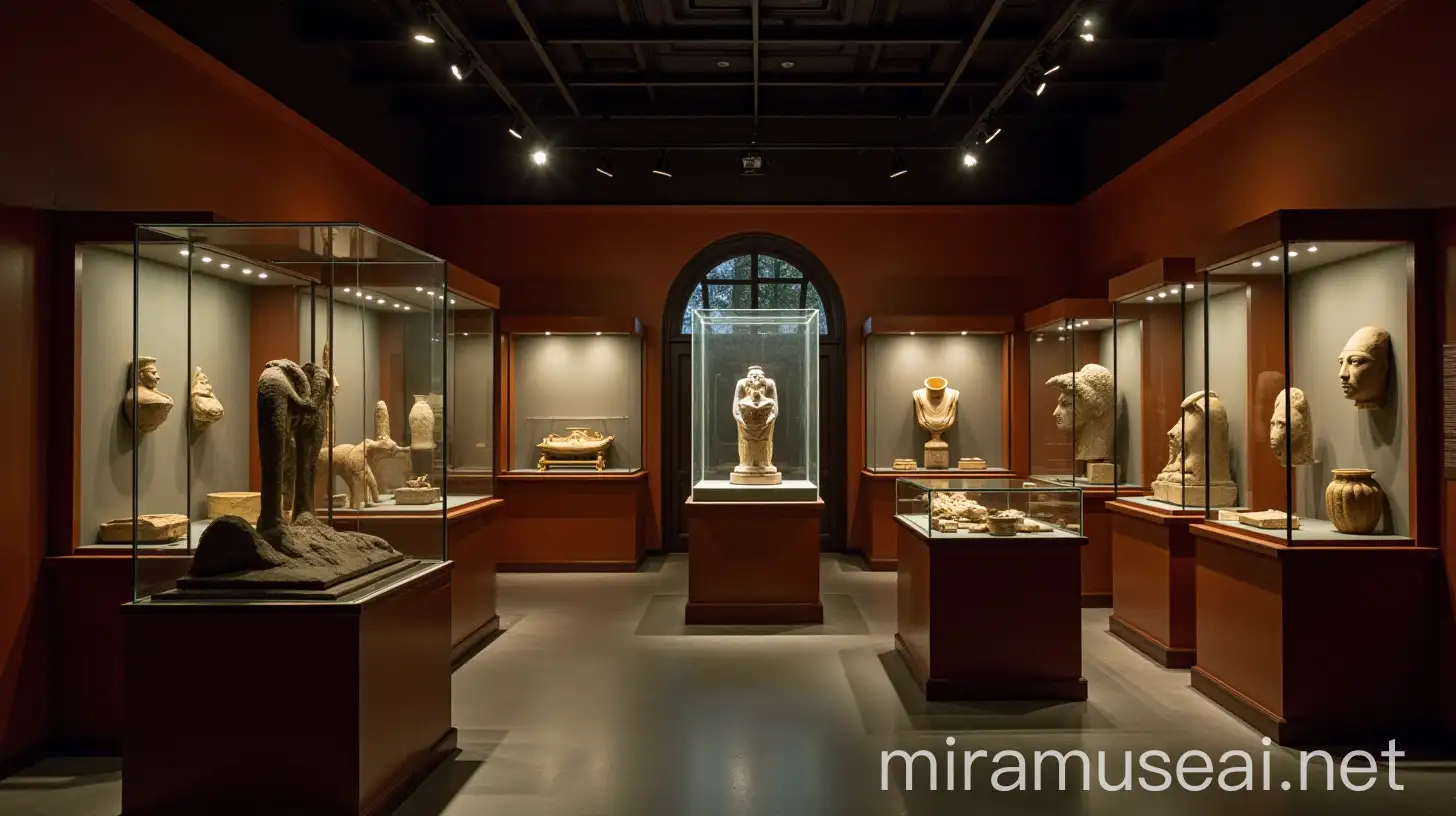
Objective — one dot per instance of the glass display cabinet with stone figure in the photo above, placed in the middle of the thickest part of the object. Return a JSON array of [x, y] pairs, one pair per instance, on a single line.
[[1079, 411], [936, 394], [1159, 436], [755, 405], [1311, 358], [470, 378], [576, 395], [292, 349], [989, 508]]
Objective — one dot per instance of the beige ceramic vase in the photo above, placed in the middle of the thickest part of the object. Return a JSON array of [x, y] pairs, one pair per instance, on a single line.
[[1354, 500], [422, 424]]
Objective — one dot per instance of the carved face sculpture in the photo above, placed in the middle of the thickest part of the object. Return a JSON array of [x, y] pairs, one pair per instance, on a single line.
[[1365, 367], [1296, 432], [1086, 396], [201, 386], [755, 377], [147, 376]]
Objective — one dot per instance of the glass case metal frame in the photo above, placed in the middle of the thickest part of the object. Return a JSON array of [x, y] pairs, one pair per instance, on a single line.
[[1054, 507]]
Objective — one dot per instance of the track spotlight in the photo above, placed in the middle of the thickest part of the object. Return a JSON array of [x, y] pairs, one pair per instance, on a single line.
[[897, 166], [517, 129], [968, 159], [604, 165], [1052, 70], [423, 30], [663, 168], [461, 68], [539, 157], [1088, 36], [993, 136], [1040, 88]]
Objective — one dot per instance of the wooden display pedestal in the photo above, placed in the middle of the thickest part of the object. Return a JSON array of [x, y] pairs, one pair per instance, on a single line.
[[1097, 584], [1153, 605], [991, 618], [1318, 645], [319, 708], [754, 562], [565, 521]]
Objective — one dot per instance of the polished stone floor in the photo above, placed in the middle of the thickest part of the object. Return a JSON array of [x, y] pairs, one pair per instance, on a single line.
[[597, 700]]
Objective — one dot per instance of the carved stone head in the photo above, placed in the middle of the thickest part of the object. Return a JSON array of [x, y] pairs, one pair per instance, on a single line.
[[1365, 367], [147, 374], [1086, 406], [1297, 431], [756, 376]]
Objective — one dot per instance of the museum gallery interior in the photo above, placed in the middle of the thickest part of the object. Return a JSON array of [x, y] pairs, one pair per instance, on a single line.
[[607, 407]]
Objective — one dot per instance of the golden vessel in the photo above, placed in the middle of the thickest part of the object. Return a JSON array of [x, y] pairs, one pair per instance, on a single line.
[[580, 447]]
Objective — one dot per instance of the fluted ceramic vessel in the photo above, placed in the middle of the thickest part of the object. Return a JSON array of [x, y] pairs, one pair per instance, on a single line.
[[1354, 500]]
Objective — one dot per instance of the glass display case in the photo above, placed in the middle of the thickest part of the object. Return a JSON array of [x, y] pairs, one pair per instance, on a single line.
[[1158, 348], [576, 395], [1078, 410], [989, 508], [1314, 365], [755, 405], [209, 308], [470, 377], [936, 394]]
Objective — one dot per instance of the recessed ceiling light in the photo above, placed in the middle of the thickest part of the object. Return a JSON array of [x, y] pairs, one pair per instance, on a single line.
[[395, 305], [912, 334], [431, 293], [406, 308], [1258, 264], [441, 297], [786, 64], [1273, 257], [1061, 328], [1189, 286], [262, 275], [548, 334], [467, 334], [347, 290], [226, 265], [1292, 253], [206, 259], [963, 334], [1162, 294], [185, 252], [369, 297], [1150, 297], [723, 63], [452, 301], [599, 334], [1174, 290], [417, 289], [247, 271], [1312, 249]]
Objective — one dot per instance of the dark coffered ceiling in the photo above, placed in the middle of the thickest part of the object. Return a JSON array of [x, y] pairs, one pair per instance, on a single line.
[[833, 94]]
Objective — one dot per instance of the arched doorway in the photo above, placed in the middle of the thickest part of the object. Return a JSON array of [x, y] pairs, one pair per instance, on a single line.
[[752, 271]]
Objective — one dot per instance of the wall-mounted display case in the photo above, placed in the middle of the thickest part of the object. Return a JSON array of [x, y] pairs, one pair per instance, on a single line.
[[980, 508], [1157, 345], [1078, 410], [206, 307], [937, 394], [575, 396], [755, 405], [1314, 345]]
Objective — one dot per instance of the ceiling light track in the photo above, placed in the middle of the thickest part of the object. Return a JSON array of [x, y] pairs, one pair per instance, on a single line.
[[443, 22]]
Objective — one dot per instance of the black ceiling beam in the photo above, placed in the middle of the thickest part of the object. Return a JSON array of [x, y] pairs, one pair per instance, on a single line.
[[970, 52], [442, 19], [728, 107], [1170, 30], [1058, 30], [530, 32], [1065, 78], [753, 7]]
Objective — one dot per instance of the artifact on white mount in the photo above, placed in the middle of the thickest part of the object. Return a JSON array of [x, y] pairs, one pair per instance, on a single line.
[[422, 424], [971, 463], [1087, 408], [151, 405], [1298, 433], [1005, 523], [935, 411], [1354, 500], [244, 504], [755, 409], [903, 464], [205, 407], [417, 491], [1189, 478], [151, 528], [1269, 520], [296, 550], [580, 446], [1365, 367], [1101, 472]]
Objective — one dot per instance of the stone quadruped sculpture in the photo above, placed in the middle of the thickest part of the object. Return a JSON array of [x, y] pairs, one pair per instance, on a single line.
[[1193, 476], [1087, 408], [145, 406], [1296, 435], [755, 409], [1365, 368], [935, 411], [295, 550], [206, 409]]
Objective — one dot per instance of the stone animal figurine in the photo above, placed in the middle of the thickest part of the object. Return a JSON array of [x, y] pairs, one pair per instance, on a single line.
[[355, 465], [290, 432]]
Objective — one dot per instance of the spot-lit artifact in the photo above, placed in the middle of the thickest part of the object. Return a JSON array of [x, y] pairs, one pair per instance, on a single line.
[[150, 405], [205, 406], [935, 411], [151, 528], [755, 409], [1296, 435], [1354, 501], [580, 447], [1194, 476], [417, 491], [1086, 407], [244, 504], [1365, 368]]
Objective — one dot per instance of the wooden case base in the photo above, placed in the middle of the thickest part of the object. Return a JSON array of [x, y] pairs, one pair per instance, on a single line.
[[1328, 646], [754, 562], [322, 708], [1153, 604], [991, 619], [573, 522]]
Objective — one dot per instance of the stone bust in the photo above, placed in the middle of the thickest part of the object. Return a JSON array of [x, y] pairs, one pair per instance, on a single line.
[[151, 405], [1365, 368], [1086, 407], [1297, 432], [206, 409]]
